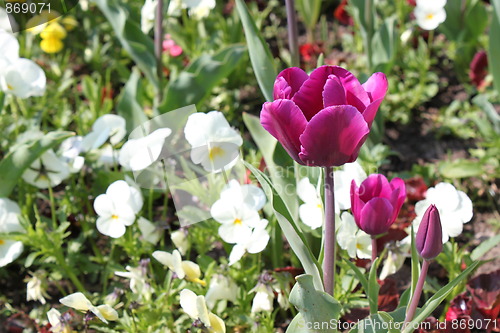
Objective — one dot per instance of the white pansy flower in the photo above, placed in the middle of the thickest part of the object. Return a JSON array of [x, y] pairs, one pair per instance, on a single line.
[[356, 242], [429, 14], [149, 230], [398, 252], [195, 307], [35, 290], [221, 288], [311, 211], [215, 144], [47, 171], [180, 241], [79, 302], [237, 211], [138, 283], [455, 209], [199, 9], [57, 322], [182, 268], [342, 186], [264, 297], [10, 250], [256, 243], [70, 150], [138, 154], [23, 78], [109, 126], [148, 13], [117, 208]]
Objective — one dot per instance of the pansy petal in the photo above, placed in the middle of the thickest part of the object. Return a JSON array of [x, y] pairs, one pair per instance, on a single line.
[[258, 241], [311, 214], [188, 303], [10, 250], [234, 233], [331, 136], [236, 254], [110, 227], [103, 205], [285, 121], [76, 301]]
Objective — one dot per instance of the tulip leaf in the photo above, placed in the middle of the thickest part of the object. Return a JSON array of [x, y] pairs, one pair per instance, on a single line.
[[489, 110], [316, 307], [277, 162], [138, 45], [309, 10], [437, 298], [297, 325], [384, 44], [373, 287], [19, 159], [361, 277], [196, 82], [290, 229], [496, 6], [381, 322], [415, 263], [129, 107], [260, 55]]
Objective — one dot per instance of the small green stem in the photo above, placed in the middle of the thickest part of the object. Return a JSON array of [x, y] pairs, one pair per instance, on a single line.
[[293, 39], [416, 295], [69, 272], [52, 208], [329, 233], [374, 249]]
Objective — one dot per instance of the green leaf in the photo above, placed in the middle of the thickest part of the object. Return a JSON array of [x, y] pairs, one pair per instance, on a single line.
[[278, 163], [496, 6], [484, 247], [260, 55], [309, 11], [297, 325], [437, 298], [489, 110], [139, 46], [13, 165], [415, 263], [460, 169], [291, 231], [373, 287], [381, 322], [197, 81], [384, 43], [494, 46], [315, 306], [361, 277], [128, 107]]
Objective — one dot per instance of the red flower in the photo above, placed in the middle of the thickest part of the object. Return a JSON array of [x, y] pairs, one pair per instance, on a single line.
[[342, 15], [479, 69]]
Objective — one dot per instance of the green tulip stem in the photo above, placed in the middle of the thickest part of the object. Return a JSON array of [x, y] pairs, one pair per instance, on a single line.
[[418, 291], [329, 233], [374, 249]]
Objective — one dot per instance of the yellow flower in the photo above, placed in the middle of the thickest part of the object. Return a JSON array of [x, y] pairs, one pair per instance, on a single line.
[[37, 23], [51, 45], [53, 30]]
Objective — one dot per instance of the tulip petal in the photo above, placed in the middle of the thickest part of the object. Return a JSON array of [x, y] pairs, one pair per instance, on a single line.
[[285, 121], [288, 82], [355, 93], [376, 216], [309, 97], [333, 93], [376, 86], [371, 111], [331, 136], [398, 184], [356, 203], [376, 185]]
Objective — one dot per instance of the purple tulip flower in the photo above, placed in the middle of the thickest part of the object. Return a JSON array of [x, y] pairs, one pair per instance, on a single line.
[[376, 203], [324, 118], [429, 241]]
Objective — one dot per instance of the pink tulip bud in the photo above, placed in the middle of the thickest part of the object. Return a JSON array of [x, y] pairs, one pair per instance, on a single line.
[[376, 203], [324, 118], [429, 239]]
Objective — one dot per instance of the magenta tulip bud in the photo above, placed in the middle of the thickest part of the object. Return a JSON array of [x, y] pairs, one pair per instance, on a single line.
[[324, 118], [429, 239], [376, 203]]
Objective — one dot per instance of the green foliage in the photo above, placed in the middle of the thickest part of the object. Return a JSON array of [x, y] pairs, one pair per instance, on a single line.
[[260, 55], [19, 159]]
